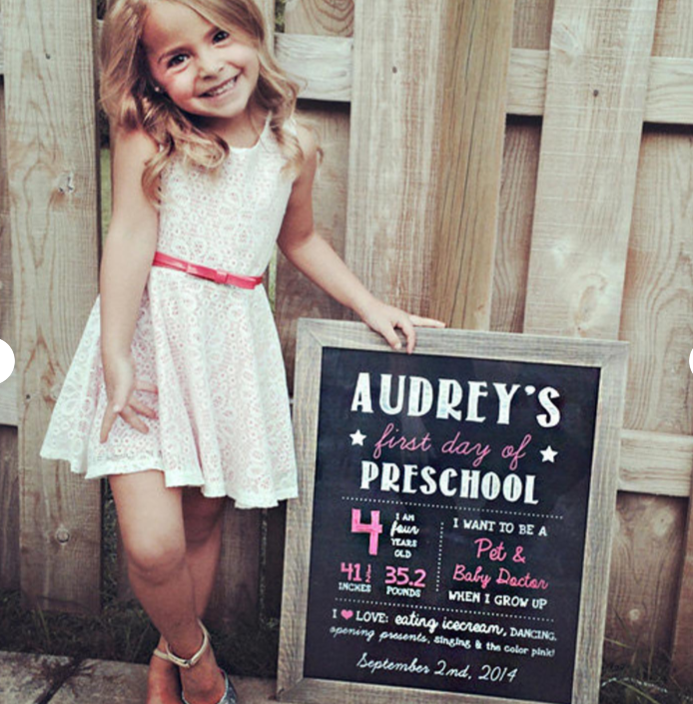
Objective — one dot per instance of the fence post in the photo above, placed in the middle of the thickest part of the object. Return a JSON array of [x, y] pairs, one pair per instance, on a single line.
[[53, 186], [477, 56]]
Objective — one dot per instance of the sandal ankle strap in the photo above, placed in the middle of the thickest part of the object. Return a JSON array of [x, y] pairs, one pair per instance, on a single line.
[[161, 654], [187, 663]]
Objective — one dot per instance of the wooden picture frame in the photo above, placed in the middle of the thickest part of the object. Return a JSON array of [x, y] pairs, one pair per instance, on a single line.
[[607, 358]]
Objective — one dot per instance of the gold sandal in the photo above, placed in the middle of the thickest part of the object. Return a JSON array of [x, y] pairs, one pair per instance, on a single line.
[[229, 696], [185, 663]]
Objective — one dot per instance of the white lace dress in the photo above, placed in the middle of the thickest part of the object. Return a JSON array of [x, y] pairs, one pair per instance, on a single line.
[[211, 349]]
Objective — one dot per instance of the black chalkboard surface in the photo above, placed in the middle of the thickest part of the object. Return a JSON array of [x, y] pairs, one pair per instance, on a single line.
[[451, 506]]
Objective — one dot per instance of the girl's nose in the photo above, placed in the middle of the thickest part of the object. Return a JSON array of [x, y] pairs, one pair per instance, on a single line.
[[209, 65]]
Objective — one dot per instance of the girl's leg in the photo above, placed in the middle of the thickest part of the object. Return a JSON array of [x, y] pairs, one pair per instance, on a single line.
[[203, 523], [202, 519], [151, 522]]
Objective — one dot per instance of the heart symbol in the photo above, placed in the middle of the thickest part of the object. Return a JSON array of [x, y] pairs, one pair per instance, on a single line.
[[347, 614]]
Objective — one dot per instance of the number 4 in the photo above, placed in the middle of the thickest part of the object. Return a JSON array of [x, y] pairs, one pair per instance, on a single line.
[[374, 528]]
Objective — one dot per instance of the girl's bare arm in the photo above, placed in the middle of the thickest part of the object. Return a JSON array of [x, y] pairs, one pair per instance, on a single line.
[[127, 259], [313, 256]]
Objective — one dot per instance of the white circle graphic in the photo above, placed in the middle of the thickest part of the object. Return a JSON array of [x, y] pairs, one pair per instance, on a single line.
[[6, 360]]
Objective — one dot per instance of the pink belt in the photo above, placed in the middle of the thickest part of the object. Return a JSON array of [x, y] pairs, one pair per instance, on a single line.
[[219, 276]]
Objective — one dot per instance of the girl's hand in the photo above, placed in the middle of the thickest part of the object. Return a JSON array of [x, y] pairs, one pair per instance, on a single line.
[[121, 385], [385, 319]]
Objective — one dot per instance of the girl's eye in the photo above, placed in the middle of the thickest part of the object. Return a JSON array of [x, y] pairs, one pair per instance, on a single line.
[[176, 60], [220, 36]]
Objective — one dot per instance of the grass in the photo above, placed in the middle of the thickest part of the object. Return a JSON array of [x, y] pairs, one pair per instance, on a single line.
[[634, 684], [642, 677], [123, 632]]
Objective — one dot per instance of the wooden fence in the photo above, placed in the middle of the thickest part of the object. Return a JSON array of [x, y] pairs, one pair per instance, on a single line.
[[516, 166]]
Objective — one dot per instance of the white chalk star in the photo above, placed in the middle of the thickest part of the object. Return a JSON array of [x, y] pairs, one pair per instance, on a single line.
[[548, 454], [357, 438]]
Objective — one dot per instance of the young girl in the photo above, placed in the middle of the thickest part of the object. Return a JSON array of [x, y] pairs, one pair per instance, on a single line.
[[177, 391]]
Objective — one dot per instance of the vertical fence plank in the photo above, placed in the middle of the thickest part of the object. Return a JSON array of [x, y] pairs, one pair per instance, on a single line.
[[532, 26], [236, 591], [475, 66], [333, 18], [674, 32], [531, 30], [660, 327], [657, 319], [9, 479], [670, 156], [649, 535], [519, 183], [52, 168], [597, 80], [393, 165]]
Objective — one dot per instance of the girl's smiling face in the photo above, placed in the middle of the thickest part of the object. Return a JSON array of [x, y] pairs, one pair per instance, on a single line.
[[202, 68]]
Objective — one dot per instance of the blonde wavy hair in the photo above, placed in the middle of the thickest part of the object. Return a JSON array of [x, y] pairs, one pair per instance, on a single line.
[[130, 101]]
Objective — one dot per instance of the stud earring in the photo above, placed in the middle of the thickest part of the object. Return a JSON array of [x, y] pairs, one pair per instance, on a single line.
[[157, 89]]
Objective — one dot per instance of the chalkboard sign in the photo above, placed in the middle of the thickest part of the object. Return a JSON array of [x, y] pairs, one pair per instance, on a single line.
[[452, 539]]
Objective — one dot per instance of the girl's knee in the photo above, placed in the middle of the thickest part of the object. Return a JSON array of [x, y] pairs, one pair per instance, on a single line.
[[155, 557]]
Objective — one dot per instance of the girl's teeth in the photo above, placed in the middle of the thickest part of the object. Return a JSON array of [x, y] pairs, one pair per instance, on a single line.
[[221, 89]]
